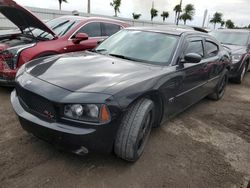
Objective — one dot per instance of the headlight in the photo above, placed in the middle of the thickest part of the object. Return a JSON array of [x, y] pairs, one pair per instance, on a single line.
[[21, 70], [236, 58], [11, 54], [87, 112]]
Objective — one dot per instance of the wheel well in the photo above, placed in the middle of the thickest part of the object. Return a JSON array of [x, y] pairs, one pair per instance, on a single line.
[[156, 97]]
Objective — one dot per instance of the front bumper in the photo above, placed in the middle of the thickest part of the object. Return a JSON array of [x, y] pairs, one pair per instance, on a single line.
[[7, 82], [98, 139], [234, 70]]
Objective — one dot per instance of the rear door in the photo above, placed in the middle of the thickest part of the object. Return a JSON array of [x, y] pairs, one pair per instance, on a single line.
[[214, 63], [109, 29]]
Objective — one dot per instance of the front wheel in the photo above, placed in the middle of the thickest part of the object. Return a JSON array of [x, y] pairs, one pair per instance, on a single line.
[[241, 74], [134, 130], [220, 87]]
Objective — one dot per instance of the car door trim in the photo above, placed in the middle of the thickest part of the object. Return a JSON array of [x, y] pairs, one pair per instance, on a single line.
[[185, 92]]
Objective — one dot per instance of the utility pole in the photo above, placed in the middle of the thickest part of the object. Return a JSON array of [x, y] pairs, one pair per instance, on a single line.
[[204, 18], [178, 17], [88, 6]]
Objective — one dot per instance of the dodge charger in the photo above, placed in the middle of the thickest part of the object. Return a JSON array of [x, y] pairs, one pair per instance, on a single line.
[[108, 99]]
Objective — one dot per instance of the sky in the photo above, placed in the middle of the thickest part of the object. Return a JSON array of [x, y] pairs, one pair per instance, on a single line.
[[236, 10]]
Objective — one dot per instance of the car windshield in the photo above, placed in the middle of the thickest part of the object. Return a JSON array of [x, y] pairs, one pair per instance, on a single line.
[[140, 46], [60, 26], [231, 38]]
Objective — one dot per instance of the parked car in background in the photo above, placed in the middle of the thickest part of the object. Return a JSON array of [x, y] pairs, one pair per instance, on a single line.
[[109, 99], [37, 39], [237, 41]]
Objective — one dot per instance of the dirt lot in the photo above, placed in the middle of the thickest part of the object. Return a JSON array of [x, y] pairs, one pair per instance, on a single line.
[[206, 146]]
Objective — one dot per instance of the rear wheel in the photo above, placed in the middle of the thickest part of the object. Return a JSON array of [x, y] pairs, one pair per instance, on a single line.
[[134, 130], [220, 88]]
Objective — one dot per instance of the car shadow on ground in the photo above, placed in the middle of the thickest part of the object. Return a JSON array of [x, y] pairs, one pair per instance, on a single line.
[[6, 90]]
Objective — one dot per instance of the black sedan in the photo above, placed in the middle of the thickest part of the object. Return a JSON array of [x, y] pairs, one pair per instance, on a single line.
[[109, 99], [237, 41]]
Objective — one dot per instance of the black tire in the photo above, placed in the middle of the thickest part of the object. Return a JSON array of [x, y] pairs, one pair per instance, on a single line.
[[134, 130], [220, 87], [239, 78]]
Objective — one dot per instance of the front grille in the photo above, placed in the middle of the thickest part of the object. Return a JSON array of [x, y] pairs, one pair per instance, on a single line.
[[35, 103]]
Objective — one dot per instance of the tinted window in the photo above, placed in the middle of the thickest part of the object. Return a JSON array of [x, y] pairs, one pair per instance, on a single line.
[[142, 46], [92, 29], [212, 49], [110, 29], [195, 47]]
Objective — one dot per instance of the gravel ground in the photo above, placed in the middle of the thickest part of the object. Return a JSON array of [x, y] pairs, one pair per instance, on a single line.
[[206, 146]]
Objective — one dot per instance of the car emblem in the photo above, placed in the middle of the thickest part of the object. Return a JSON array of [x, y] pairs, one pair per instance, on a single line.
[[48, 114]]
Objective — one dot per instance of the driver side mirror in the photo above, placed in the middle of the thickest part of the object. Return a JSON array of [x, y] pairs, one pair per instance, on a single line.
[[192, 58], [80, 37]]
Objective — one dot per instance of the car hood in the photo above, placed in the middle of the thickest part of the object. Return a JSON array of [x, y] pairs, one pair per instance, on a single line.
[[21, 17], [235, 49], [87, 72]]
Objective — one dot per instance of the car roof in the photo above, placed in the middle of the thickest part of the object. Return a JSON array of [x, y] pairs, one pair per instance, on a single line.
[[170, 29], [83, 18]]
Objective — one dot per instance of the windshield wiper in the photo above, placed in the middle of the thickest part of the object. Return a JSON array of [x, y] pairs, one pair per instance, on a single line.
[[98, 51], [128, 58], [120, 56]]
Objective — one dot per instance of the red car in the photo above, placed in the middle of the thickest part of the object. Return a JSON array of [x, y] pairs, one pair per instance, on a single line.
[[37, 39]]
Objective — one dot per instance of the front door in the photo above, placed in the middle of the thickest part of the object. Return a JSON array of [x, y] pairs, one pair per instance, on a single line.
[[94, 31], [190, 78]]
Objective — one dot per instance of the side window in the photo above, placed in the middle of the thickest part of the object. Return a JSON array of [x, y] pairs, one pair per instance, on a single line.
[[92, 29], [212, 49], [110, 29], [195, 47]]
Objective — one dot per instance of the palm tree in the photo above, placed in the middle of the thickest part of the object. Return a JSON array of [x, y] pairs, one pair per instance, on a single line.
[[60, 3], [153, 13], [136, 16], [177, 10], [164, 15], [116, 5], [188, 14], [217, 18], [230, 24], [222, 23]]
